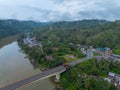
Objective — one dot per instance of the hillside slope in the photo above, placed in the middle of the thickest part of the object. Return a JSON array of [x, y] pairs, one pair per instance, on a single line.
[[91, 32], [12, 27]]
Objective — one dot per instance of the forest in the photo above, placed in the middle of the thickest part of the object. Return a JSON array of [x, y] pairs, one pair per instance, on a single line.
[[98, 33], [89, 75], [12, 27]]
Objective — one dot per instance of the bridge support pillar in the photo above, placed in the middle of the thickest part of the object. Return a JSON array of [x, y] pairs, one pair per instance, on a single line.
[[57, 77]]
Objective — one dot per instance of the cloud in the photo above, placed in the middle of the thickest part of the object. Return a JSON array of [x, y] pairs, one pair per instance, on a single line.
[[58, 10], [103, 10]]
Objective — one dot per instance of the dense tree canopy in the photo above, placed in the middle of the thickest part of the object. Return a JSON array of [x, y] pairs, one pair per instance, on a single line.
[[98, 33], [12, 27], [89, 75]]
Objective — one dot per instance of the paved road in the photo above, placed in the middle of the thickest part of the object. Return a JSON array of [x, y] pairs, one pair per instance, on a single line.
[[89, 56], [28, 80]]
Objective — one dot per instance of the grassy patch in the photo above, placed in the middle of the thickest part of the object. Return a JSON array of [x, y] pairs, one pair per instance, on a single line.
[[69, 57]]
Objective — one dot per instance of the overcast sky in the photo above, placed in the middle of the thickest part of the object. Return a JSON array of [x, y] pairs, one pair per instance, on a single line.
[[58, 10]]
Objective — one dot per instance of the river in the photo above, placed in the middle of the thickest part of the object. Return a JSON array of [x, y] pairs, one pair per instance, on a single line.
[[14, 66]]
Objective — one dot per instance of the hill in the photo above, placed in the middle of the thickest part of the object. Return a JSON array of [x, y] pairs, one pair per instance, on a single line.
[[12, 27], [83, 24], [98, 33]]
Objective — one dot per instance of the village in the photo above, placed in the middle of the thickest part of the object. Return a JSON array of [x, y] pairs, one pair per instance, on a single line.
[[97, 53]]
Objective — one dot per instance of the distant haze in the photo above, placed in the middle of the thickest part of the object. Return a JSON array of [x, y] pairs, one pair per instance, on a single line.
[[59, 10]]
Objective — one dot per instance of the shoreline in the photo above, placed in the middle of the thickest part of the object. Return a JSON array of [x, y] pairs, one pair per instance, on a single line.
[[8, 39]]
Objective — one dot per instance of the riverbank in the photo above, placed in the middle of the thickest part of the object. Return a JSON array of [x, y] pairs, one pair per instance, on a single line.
[[7, 40]]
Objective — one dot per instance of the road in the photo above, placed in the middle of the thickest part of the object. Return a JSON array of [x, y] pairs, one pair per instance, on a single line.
[[43, 74], [89, 56]]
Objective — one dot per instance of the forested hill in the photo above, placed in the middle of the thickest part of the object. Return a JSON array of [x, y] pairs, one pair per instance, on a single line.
[[88, 32], [83, 24], [12, 27]]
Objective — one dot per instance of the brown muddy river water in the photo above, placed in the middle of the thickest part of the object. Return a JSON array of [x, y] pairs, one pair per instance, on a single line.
[[14, 66]]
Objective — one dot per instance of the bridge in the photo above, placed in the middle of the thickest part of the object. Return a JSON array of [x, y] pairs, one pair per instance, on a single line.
[[45, 74]]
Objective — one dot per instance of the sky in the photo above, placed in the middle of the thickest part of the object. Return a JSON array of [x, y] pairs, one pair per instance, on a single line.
[[59, 10]]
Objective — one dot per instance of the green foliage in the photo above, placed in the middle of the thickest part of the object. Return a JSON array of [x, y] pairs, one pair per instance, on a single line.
[[12, 27], [89, 75], [56, 50], [101, 85], [116, 50], [89, 32]]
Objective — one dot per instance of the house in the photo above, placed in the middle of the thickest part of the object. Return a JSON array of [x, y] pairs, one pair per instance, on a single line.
[[114, 79], [71, 43], [31, 42], [108, 79], [107, 49], [91, 47], [104, 51], [101, 49], [94, 50], [78, 45], [111, 75]]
